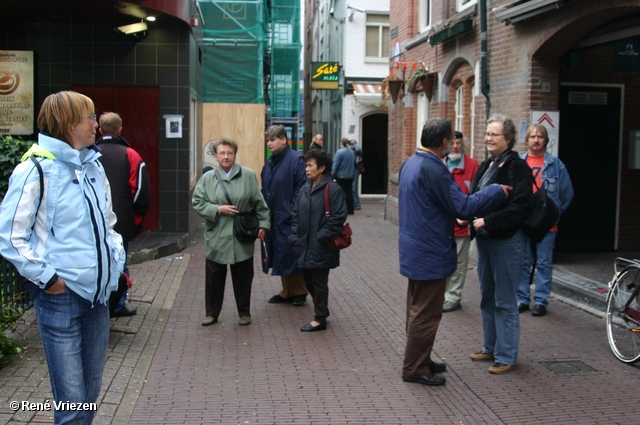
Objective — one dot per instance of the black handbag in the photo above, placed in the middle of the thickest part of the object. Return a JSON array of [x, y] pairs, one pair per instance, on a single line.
[[245, 224]]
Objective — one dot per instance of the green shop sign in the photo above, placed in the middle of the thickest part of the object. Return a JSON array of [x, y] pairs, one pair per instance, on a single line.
[[325, 75]]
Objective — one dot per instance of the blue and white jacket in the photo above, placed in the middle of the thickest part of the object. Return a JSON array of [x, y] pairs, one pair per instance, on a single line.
[[73, 236], [556, 180]]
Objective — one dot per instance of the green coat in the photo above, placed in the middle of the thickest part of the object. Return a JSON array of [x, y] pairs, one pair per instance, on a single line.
[[221, 245]]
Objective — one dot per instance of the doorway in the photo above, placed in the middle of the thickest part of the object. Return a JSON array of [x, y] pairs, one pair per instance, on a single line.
[[138, 106], [590, 129], [375, 154]]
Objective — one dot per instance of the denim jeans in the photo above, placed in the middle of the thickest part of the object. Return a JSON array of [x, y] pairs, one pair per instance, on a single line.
[[499, 271], [354, 189], [544, 272], [75, 337]]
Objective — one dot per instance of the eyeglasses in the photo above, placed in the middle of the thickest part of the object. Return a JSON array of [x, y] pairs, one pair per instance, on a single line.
[[92, 116], [492, 135], [225, 153]]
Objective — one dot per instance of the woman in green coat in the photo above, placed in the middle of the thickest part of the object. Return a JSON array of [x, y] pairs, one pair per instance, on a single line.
[[222, 248]]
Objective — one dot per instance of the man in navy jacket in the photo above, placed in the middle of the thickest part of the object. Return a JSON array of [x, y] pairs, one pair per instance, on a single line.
[[429, 201], [282, 177]]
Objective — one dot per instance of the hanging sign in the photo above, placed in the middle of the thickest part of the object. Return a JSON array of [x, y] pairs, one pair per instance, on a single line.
[[16, 92], [325, 75]]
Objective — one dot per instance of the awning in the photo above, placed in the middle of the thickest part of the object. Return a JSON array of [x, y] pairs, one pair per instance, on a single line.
[[367, 94]]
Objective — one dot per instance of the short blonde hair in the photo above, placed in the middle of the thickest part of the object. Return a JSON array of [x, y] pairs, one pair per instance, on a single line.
[[508, 128], [61, 111], [317, 137]]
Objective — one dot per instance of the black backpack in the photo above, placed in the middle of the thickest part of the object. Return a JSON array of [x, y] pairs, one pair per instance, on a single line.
[[544, 215]]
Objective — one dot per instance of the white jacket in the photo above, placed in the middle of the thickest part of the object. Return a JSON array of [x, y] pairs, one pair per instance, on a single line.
[[73, 235]]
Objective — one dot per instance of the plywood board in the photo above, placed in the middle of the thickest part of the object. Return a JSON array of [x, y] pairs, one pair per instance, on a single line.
[[243, 122]]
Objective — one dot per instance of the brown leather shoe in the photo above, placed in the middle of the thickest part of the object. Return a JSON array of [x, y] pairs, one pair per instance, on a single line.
[[501, 368], [481, 357]]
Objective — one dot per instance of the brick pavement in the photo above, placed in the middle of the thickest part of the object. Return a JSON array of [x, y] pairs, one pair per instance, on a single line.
[[174, 371]]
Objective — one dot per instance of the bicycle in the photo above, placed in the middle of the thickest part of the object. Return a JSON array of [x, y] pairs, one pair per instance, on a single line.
[[623, 311]]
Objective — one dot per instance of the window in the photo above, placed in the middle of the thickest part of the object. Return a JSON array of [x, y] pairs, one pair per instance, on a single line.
[[463, 4], [459, 108], [422, 115], [424, 15], [377, 43]]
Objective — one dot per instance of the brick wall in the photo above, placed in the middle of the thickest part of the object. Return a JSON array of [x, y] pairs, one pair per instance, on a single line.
[[524, 72]]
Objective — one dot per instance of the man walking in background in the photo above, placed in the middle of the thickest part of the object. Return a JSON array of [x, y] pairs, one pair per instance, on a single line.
[[359, 165], [343, 170], [282, 177], [462, 168], [130, 191]]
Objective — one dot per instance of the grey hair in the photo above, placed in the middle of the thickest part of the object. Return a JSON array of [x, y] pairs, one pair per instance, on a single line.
[[508, 128]]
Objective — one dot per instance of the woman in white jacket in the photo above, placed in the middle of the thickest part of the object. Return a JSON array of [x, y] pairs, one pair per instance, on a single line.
[[56, 227]]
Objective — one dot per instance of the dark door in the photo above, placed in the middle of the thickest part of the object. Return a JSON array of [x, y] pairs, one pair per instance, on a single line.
[[375, 154], [138, 106], [589, 147]]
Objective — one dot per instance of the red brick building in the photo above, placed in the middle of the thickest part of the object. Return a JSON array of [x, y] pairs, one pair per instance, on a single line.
[[571, 65]]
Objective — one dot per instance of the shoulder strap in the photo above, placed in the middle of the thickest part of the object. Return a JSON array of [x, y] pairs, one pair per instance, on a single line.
[[41, 176], [326, 200], [226, 194], [511, 175]]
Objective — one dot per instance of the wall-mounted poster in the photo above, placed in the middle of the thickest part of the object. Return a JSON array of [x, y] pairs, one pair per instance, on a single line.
[[173, 125], [16, 92]]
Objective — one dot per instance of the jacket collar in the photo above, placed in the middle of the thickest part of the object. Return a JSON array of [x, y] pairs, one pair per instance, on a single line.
[[113, 138], [64, 152], [277, 157]]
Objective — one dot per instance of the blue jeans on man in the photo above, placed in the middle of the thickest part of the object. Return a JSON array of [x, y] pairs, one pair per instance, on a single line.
[[544, 272], [499, 271], [356, 197], [75, 337]]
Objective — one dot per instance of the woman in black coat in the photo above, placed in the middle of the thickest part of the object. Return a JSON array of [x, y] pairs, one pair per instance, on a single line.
[[501, 245], [311, 233]]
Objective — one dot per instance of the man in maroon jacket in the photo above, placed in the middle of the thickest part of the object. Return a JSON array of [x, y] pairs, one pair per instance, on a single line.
[[130, 191]]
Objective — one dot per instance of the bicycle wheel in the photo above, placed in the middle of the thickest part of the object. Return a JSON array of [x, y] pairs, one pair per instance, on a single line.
[[623, 332]]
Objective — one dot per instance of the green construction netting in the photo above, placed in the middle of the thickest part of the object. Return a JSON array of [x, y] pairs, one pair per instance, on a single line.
[[236, 36], [284, 90]]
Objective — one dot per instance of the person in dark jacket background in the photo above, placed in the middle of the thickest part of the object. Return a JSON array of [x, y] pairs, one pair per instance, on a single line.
[[501, 245], [282, 177], [311, 232], [130, 190], [429, 201], [343, 169]]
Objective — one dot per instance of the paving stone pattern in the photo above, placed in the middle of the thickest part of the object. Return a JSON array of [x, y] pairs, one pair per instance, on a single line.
[[165, 368]]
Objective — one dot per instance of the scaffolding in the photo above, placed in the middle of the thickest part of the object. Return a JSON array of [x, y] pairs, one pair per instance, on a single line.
[[252, 54], [285, 44], [234, 40]]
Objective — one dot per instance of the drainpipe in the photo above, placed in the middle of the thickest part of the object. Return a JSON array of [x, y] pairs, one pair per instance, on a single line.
[[484, 82]]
